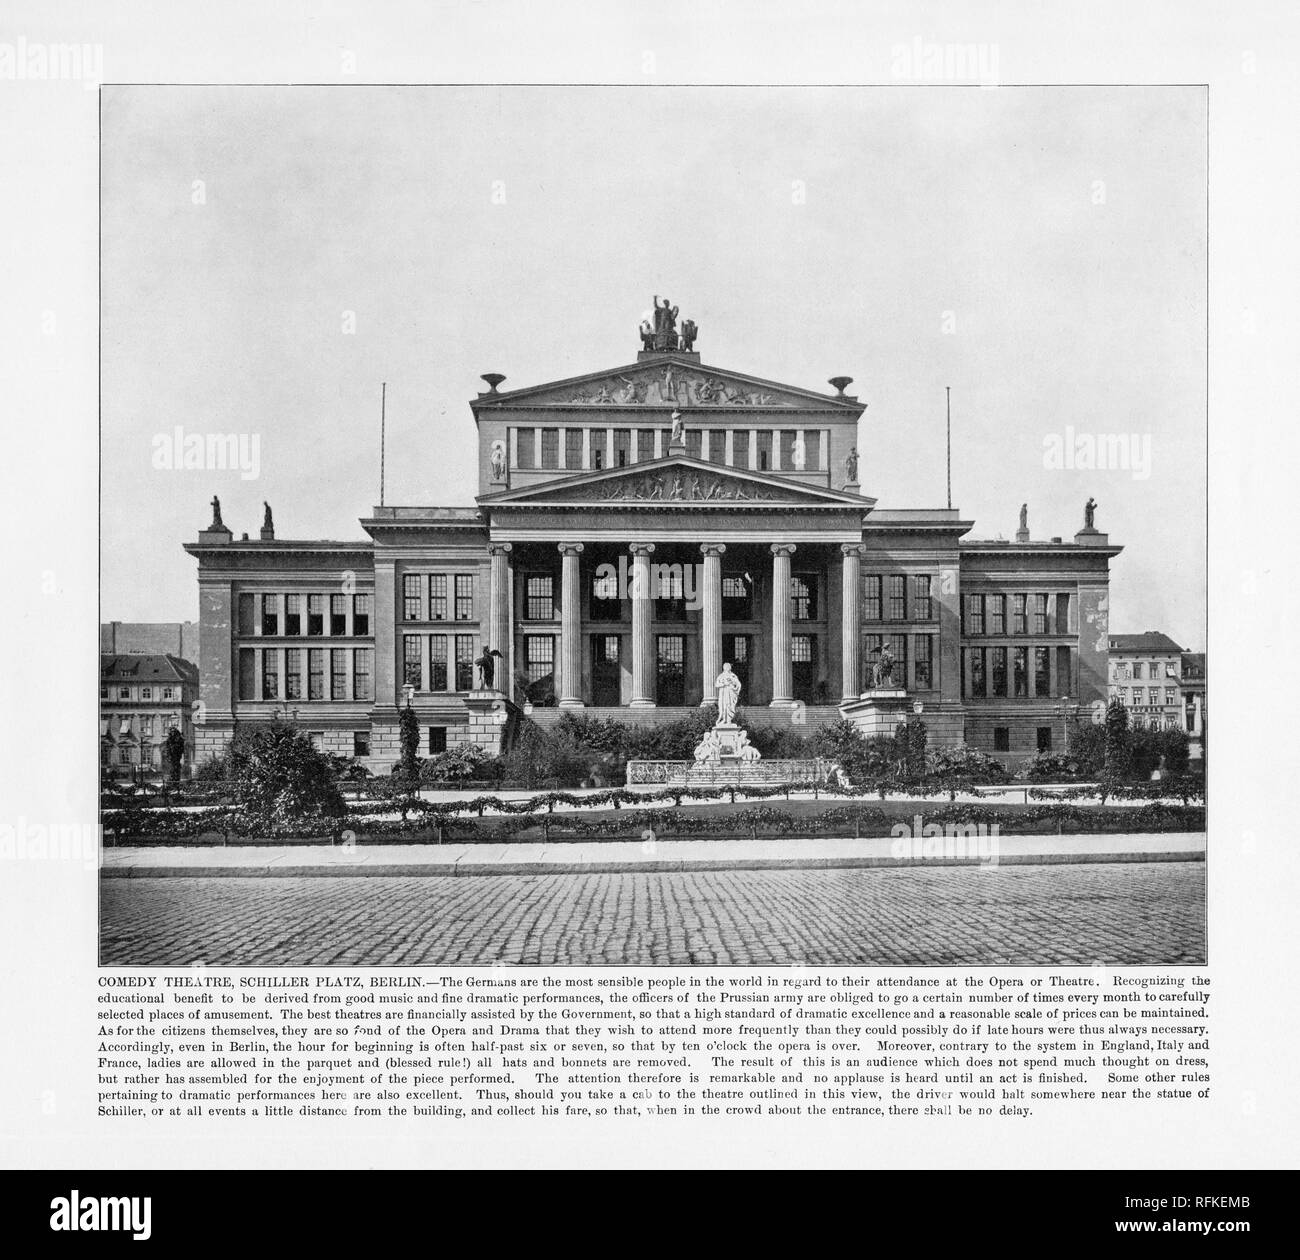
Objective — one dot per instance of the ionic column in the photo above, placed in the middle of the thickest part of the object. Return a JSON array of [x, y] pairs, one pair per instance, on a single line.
[[851, 628], [499, 614], [643, 689], [570, 627], [782, 690], [711, 631]]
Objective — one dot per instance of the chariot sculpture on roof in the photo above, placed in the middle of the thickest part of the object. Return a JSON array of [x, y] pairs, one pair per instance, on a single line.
[[659, 331]]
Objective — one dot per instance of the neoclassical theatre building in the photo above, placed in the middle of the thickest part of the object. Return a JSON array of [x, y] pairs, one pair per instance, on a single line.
[[633, 530]]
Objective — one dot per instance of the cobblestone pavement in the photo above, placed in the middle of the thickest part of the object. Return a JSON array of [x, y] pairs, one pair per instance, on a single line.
[[1113, 913]]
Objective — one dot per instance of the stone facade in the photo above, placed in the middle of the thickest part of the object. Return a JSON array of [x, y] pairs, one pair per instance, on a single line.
[[634, 529]]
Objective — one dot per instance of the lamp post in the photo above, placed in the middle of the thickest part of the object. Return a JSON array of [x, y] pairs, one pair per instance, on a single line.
[[1064, 709], [408, 690]]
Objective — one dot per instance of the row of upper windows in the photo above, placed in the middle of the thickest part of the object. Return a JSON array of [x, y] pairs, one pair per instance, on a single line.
[[1146, 695], [671, 593], [988, 614], [571, 449], [890, 597], [1125, 671], [330, 674], [1009, 672], [299, 614], [138, 692], [426, 665], [438, 597], [141, 726]]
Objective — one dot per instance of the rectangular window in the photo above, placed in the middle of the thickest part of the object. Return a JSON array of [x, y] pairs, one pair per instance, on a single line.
[[898, 646], [1021, 671], [315, 673], [922, 605], [539, 597], [361, 743], [412, 672], [146, 693], [411, 597], [764, 450], [694, 443], [246, 614], [803, 596], [437, 740], [974, 614], [871, 596], [645, 445], [124, 693], [923, 646], [671, 662], [1170, 696], [1062, 625], [338, 674], [1042, 671], [464, 597], [812, 442], [789, 452], [168, 693], [550, 448], [1020, 622], [293, 674], [622, 448], [247, 674], [437, 597], [293, 614], [605, 605], [315, 614], [1040, 614], [437, 662], [1044, 739], [1137, 669], [717, 446], [539, 668], [573, 449], [362, 606], [998, 670], [1001, 739], [978, 683], [737, 597], [524, 448], [362, 671], [997, 608], [801, 647], [464, 662], [1064, 672], [897, 597], [270, 674], [338, 615], [739, 448], [270, 614], [598, 448]]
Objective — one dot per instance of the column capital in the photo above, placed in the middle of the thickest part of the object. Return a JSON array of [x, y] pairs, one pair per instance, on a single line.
[[854, 549], [569, 548], [713, 549], [500, 548], [641, 549], [782, 549]]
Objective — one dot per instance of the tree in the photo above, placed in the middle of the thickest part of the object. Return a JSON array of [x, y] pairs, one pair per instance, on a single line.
[[409, 738], [1118, 758], [174, 754], [281, 776]]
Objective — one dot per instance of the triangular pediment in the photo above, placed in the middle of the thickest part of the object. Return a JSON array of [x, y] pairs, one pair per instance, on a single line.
[[674, 381], [674, 481]]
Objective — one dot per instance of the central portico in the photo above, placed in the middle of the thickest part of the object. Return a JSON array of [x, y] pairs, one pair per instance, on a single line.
[[637, 583]]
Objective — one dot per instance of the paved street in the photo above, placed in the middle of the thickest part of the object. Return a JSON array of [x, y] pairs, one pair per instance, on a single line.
[[1113, 913]]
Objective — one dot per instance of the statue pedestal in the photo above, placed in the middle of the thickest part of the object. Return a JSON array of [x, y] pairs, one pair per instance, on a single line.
[[677, 448], [490, 715], [878, 711]]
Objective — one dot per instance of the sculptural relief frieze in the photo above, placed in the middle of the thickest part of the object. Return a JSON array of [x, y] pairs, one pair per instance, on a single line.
[[676, 487], [671, 385]]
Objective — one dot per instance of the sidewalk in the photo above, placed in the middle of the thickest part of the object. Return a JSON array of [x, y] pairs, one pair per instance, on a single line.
[[235, 861]]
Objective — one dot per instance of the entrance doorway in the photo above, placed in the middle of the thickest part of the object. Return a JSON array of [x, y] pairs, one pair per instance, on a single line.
[[605, 669]]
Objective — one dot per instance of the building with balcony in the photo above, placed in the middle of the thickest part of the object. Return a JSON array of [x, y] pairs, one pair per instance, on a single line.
[[1146, 677], [141, 697]]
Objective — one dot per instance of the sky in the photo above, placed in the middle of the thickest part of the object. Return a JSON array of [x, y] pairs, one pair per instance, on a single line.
[[271, 255]]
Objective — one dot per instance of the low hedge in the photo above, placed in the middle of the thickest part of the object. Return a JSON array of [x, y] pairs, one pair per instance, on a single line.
[[758, 821]]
